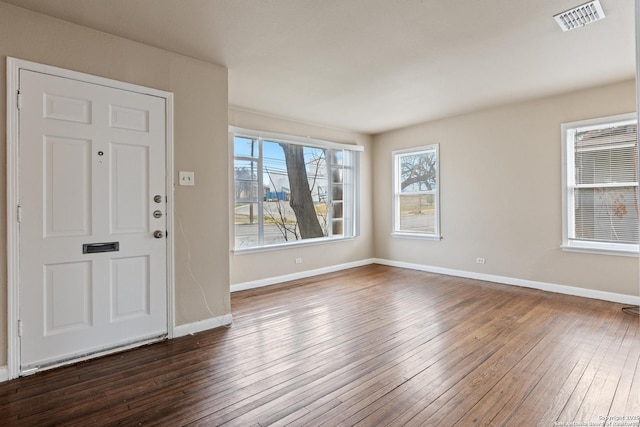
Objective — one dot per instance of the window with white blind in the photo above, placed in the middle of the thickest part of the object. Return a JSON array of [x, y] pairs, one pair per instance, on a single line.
[[601, 185]]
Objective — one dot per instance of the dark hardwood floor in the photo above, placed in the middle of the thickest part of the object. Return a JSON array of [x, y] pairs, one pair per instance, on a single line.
[[370, 346]]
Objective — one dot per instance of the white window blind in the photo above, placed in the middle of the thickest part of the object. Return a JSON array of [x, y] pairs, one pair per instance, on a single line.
[[602, 184]]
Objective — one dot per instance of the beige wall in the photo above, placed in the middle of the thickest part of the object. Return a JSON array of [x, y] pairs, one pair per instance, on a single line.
[[264, 265], [500, 173], [500, 176], [200, 97]]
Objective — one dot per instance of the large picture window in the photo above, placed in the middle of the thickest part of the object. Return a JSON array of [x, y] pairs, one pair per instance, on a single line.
[[416, 205], [601, 185], [289, 190]]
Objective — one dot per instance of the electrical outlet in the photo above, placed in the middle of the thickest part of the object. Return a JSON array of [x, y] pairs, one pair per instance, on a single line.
[[480, 260], [298, 260], [186, 178]]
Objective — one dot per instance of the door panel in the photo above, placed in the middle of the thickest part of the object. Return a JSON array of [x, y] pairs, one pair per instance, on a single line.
[[91, 160], [64, 215], [67, 297], [129, 118], [129, 188], [58, 107], [130, 287]]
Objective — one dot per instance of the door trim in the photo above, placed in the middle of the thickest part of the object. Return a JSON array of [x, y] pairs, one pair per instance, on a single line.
[[13, 186]]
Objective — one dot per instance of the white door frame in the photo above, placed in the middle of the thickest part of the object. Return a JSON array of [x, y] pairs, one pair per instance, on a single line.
[[13, 185]]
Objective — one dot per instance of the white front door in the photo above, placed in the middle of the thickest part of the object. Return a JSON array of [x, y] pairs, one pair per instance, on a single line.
[[92, 192]]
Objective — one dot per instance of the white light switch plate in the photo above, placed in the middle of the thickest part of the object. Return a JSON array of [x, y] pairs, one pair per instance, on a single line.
[[186, 178]]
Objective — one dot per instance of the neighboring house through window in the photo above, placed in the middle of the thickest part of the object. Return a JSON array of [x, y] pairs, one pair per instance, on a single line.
[[600, 191], [416, 205], [290, 189]]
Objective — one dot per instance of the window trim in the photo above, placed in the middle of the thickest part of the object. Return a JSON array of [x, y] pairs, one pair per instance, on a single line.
[[568, 178], [395, 194], [262, 136], [292, 139]]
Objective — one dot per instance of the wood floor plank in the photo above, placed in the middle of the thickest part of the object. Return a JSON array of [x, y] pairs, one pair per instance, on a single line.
[[526, 387], [376, 350], [558, 365], [579, 406], [439, 355], [623, 399], [437, 406], [316, 391], [369, 346], [589, 333]]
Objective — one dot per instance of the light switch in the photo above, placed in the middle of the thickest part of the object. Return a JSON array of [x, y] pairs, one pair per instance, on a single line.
[[186, 178]]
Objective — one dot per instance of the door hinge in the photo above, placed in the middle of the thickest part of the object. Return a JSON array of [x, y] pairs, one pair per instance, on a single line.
[[19, 100], [19, 214], [20, 328]]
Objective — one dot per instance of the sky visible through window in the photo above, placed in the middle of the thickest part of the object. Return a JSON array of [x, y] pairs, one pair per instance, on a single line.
[[290, 200], [274, 165]]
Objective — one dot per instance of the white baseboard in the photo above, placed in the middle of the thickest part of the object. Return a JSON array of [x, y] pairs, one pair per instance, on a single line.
[[549, 287], [543, 286], [301, 275], [202, 325], [4, 373]]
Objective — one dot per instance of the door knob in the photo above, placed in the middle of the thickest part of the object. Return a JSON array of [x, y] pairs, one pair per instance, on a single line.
[[158, 234]]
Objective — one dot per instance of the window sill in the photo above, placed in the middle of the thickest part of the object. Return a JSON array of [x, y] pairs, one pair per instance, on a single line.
[[602, 248], [289, 245], [407, 235]]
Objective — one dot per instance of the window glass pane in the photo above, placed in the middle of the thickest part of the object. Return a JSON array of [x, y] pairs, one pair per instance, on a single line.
[[295, 184], [603, 166], [337, 157], [246, 191], [418, 213], [337, 228], [246, 184], [280, 223], [416, 191], [418, 172], [245, 147], [607, 214], [246, 225], [336, 175], [337, 210], [283, 191], [337, 192], [274, 169], [604, 152], [317, 175]]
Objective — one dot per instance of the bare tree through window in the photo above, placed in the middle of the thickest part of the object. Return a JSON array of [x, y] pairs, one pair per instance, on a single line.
[[295, 190], [416, 188]]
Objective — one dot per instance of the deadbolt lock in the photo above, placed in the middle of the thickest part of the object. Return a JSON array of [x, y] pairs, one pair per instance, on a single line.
[[157, 214], [157, 198]]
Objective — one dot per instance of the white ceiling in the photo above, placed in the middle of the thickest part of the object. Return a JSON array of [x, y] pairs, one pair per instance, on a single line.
[[374, 65]]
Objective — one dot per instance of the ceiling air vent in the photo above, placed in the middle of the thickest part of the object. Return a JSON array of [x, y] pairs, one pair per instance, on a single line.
[[580, 16]]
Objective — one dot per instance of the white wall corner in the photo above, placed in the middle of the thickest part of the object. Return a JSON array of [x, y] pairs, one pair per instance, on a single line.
[[300, 275], [4, 373], [202, 325], [543, 286]]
